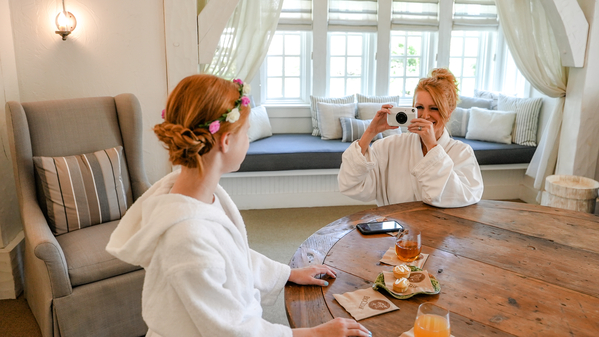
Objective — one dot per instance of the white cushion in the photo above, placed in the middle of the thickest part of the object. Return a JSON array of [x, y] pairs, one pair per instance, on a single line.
[[328, 118], [458, 122], [492, 95], [259, 124], [527, 117], [314, 108], [467, 102], [353, 129], [491, 125]]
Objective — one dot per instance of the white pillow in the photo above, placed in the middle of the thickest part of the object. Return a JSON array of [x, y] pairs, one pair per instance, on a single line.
[[527, 117], [492, 95], [368, 111], [314, 108], [491, 125], [458, 122], [328, 118], [259, 124]]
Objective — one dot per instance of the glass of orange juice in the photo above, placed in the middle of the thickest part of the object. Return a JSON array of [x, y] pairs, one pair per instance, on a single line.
[[408, 244], [431, 321]]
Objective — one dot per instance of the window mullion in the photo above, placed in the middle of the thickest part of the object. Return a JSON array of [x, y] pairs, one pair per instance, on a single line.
[[320, 10], [383, 42], [445, 27]]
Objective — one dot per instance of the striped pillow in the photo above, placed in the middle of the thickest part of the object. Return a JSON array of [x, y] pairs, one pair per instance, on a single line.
[[314, 100], [353, 129], [377, 99], [527, 117], [82, 190]]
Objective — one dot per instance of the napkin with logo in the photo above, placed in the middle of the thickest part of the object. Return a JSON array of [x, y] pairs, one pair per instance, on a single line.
[[391, 258], [410, 333], [420, 282], [364, 303]]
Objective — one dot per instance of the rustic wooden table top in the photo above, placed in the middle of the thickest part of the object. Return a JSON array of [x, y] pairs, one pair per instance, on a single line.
[[505, 269]]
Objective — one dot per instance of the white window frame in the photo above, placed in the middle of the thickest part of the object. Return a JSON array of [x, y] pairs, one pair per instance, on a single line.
[[368, 62], [305, 74]]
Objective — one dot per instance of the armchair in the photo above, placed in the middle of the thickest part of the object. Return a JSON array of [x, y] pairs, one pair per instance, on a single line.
[[72, 285]]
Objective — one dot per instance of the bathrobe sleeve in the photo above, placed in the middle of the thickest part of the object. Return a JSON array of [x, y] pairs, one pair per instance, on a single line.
[[449, 179], [214, 309], [357, 178], [270, 277]]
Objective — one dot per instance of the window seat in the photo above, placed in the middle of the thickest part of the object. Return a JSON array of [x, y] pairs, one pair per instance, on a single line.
[[282, 152]]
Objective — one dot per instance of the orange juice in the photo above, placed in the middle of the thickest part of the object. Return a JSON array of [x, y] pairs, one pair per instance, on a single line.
[[430, 325]]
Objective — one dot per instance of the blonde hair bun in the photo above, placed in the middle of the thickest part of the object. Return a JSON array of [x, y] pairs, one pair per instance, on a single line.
[[441, 74]]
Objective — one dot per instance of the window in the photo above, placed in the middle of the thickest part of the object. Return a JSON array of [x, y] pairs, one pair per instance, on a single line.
[[286, 68], [348, 63], [333, 48], [408, 61]]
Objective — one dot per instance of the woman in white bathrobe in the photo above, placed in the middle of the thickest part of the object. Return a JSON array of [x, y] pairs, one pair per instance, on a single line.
[[425, 164], [202, 279]]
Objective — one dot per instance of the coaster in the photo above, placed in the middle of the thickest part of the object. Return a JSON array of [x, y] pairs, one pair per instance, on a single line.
[[364, 303], [391, 258], [410, 333]]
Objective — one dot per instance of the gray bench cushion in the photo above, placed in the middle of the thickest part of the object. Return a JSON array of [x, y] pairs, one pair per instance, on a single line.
[[303, 152], [86, 255], [293, 152], [488, 153]]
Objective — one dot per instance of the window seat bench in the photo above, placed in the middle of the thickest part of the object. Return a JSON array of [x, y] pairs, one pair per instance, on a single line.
[[300, 170], [282, 152]]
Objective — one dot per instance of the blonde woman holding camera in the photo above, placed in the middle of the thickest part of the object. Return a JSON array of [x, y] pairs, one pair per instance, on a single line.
[[425, 164]]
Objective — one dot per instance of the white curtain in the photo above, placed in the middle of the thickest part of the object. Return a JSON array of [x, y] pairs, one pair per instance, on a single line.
[[533, 45], [245, 40]]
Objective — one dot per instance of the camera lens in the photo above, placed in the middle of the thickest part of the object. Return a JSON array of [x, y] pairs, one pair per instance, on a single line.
[[401, 118]]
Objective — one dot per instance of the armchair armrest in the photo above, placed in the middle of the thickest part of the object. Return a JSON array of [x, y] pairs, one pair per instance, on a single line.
[[46, 248]]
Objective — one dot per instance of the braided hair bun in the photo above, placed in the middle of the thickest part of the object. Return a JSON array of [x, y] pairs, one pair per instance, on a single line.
[[198, 101], [184, 146]]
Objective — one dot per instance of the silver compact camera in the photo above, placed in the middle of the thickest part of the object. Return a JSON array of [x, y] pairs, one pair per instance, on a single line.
[[401, 116]]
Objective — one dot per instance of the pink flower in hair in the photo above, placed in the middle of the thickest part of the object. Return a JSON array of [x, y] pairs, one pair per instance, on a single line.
[[238, 81], [163, 112], [245, 101], [214, 127]]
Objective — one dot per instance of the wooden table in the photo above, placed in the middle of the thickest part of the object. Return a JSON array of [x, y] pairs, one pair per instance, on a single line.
[[505, 269]]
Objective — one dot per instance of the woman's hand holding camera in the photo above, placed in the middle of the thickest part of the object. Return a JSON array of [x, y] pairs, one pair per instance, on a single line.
[[425, 129], [378, 125]]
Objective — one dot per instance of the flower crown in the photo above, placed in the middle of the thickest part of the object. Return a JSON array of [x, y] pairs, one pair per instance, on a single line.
[[232, 115]]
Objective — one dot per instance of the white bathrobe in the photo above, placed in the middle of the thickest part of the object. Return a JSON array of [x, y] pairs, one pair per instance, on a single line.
[[393, 170], [202, 279]]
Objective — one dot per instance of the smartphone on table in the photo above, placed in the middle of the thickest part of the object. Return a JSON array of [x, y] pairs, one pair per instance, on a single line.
[[379, 227]]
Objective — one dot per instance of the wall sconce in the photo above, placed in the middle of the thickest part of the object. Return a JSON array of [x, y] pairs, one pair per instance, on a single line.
[[65, 22]]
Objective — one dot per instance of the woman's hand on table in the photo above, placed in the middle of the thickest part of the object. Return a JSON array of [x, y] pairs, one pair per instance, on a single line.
[[307, 275], [338, 327]]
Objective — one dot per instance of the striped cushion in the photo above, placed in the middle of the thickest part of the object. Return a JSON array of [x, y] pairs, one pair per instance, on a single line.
[[314, 100], [82, 190], [353, 129], [527, 117], [377, 99]]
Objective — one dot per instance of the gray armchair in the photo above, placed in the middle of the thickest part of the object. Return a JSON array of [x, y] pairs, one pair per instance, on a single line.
[[72, 285]]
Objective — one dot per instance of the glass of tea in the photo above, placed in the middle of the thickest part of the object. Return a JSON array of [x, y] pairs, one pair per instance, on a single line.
[[408, 244], [431, 321]]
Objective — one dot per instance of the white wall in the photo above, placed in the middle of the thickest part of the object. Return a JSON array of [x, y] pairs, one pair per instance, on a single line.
[[117, 47], [10, 221]]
